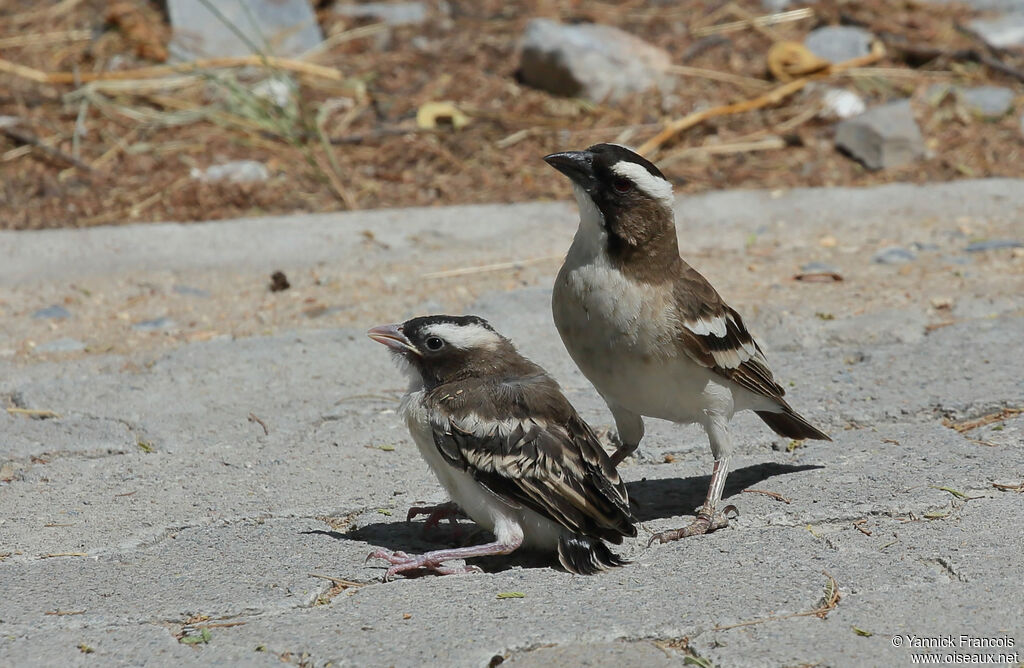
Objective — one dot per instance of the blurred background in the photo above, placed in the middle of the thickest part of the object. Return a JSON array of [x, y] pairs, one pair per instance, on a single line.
[[187, 110]]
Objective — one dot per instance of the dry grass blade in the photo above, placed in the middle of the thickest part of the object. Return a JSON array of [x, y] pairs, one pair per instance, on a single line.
[[53, 10], [761, 21], [766, 144], [970, 425], [499, 266], [829, 601], [650, 147], [341, 582], [715, 75], [64, 613], [1009, 488], [33, 412], [45, 38], [63, 554], [297, 66], [774, 495]]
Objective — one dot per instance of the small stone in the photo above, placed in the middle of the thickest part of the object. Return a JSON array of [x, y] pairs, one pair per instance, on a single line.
[[55, 312], [592, 61], [893, 255], [237, 171], [986, 101], [884, 136], [1004, 31], [279, 282], [275, 27], [280, 92], [393, 14], [65, 345], [840, 103], [992, 244], [154, 325], [189, 291], [839, 43], [9, 121]]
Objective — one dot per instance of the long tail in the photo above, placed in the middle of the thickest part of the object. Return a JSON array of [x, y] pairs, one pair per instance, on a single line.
[[791, 424], [586, 556]]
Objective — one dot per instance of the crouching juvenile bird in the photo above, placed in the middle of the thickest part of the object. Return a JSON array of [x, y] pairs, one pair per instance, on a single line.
[[646, 329], [507, 446]]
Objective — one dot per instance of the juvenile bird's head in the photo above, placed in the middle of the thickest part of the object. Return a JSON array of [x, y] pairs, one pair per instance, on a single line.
[[619, 192], [437, 349]]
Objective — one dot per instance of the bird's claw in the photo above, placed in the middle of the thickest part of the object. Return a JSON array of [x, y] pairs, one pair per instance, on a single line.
[[449, 511], [707, 520], [402, 562]]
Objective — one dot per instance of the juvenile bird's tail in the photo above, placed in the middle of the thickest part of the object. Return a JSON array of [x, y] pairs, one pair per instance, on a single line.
[[791, 424], [584, 555]]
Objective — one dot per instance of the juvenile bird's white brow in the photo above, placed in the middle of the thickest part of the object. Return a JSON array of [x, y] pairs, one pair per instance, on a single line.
[[656, 187], [464, 336]]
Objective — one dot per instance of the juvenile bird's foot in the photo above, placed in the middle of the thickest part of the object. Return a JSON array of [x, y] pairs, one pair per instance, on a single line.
[[402, 562], [707, 520], [446, 511]]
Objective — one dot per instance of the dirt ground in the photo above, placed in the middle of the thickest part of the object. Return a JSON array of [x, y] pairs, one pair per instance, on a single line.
[[115, 152]]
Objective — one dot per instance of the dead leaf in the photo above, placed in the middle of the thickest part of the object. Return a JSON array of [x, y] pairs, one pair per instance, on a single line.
[[789, 60], [433, 114]]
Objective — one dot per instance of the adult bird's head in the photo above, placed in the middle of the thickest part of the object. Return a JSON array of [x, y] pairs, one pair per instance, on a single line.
[[619, 192], [437, 349]]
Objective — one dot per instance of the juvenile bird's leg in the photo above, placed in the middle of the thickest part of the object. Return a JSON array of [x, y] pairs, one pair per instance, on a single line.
[[708, 519], [402, 562], [449, 511]]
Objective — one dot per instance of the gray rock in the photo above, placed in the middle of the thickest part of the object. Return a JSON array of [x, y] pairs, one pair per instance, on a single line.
[[65, 345], [274, 27], [838, 43], [237, 171], [776, 5], [592, 61], [395, 14], [893, 255], [882, 137], [154, 325], [55, 312], [986, 101], [992, 244], [9, 121], [1001, 32]]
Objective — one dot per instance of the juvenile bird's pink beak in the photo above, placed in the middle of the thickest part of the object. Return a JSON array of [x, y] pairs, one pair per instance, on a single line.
[[392, 337]]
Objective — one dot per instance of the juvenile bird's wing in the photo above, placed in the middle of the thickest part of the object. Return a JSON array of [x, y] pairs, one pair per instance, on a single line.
[[713, 335], [550, 461]]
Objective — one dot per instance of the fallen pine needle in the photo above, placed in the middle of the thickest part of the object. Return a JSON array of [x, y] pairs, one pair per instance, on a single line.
[[515, 264], [858, 527], [64, 613], [45, 38], [253, 418], [218, 625], [774, 495], [1009, 488], [766, 144], [715, 75], [33, 412], [63, 554]]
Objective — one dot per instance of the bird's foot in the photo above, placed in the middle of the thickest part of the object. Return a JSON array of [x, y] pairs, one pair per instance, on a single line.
[[446, 511], [402, 562], [707, 520]]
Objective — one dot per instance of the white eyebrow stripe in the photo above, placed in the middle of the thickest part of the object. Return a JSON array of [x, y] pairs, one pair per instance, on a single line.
[[464, 336], [658, 188]]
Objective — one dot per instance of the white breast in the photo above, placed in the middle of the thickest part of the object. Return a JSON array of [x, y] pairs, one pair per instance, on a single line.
[[507, 522]]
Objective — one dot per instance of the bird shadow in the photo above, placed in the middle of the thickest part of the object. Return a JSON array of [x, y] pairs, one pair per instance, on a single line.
[[670, 497], [650, 500]]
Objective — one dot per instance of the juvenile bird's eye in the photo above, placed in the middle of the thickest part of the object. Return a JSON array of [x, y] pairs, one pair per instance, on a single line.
[[622, 185], [434, 343]]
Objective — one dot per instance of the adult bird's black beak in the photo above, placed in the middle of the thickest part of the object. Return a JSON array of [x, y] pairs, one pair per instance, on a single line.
[[392, 337], [577, 165]]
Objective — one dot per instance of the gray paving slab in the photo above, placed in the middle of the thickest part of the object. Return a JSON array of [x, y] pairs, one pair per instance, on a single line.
[[207, 484]]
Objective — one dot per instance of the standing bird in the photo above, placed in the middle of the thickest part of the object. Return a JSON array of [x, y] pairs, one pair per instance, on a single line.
[[507, 446], [651, 334]]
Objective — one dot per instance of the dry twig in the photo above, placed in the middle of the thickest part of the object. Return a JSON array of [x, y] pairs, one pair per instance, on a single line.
[[828, 603], [31, 140], [757, 21], [970, 425], [774, 495], [499, 266], [33, 412]]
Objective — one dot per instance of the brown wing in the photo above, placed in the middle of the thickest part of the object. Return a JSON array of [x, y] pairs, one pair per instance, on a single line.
[[549, 461], [714, 336]]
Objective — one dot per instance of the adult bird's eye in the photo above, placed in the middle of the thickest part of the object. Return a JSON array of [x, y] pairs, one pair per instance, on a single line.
[[622, 185], [434, 343]]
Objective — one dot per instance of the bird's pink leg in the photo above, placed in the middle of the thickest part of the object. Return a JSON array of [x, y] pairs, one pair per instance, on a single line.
[[707, 519], [449, 511], [402, 562]]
